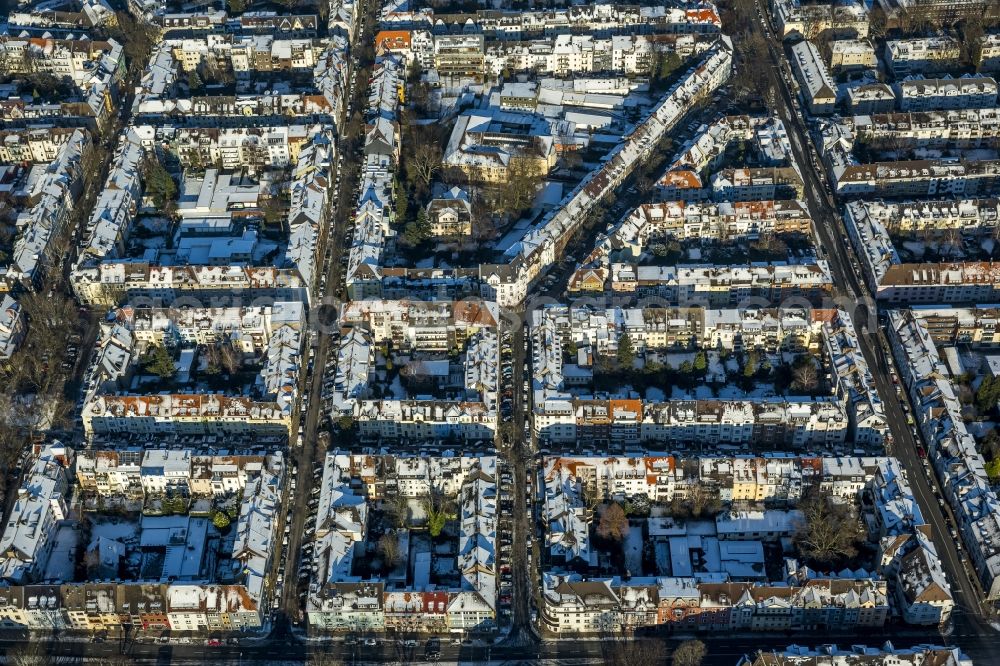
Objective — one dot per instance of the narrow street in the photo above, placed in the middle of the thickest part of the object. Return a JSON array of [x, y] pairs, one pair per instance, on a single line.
[[856, 299], [331, 249], [519, 454]]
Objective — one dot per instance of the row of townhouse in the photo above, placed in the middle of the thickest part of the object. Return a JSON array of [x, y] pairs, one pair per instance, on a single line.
[[103, 275], [272, 335], [766, 139], [690, 220], [375, 211], [27, 541], [36, 145], [951, 448], [154, 605], [326, 60], [630, 422], [202, 20], [907, 557], [872, 224], [710, 285], [97, 69], [770, 478], [51, 188], [246, 54], [156, 99], [224, 111], [792, 328], [142, 607], [964, 128], [949, 325], [574, 605], [854, 383], [136, 473], [795, 19], [916, 178], [421, 325], [923, 55], [919, 93], [85, 14], [27, 113], [764, 135], [737, 184], [587, 18], [907, 554], [470, 55], [425, 420], [339, 600], [508, 282], [75, 59], [566, 55], [917, 655], [13, 328]]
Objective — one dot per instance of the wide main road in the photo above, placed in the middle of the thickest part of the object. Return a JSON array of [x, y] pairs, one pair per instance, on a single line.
[[968, 617], [723, 650]]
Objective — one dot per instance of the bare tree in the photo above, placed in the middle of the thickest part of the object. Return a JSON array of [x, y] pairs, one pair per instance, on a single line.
[[397, 509], [29, 653], [424, 162], [630, 651], [830, 531], [804, 377], [230, 356], [690, 653], [613, 523], [324, 659], [388, 550], [703, 500], [523, 178], [590, 494]]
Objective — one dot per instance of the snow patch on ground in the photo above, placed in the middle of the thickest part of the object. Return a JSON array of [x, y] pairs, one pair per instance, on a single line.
[[633, 549], [60, 564]]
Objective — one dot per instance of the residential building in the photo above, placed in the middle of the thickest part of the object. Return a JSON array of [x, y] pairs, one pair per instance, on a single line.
[[916, 93], [29, 536], [851, 54], [887, 655], [818, 87], [923, 55], [450, 214], [13, 326]]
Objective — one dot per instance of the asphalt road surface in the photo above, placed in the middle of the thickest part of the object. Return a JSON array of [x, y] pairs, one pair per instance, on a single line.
[[968, 619]]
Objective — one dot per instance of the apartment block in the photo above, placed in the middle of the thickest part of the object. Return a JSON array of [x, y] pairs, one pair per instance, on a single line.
[[926, 55], [917, 93], [851, 54], [818, 87], [340, 600]]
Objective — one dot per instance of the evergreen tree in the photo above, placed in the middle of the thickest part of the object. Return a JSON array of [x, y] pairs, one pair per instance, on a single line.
[[626, 352], [160, 362]]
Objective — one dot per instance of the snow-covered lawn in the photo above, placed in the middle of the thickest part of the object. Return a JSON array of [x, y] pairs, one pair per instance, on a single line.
[[60, 564], [633, 548], [125, 530]]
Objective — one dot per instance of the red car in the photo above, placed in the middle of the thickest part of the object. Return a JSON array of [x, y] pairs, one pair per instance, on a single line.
[[213, 642]]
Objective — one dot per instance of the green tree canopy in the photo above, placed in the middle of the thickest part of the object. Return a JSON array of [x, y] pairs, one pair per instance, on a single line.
[[160, 362], [160, 184], [626, 352], [221, 520]]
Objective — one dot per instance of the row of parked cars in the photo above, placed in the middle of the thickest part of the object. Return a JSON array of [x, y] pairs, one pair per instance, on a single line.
[[505, 534], [506, 377]]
